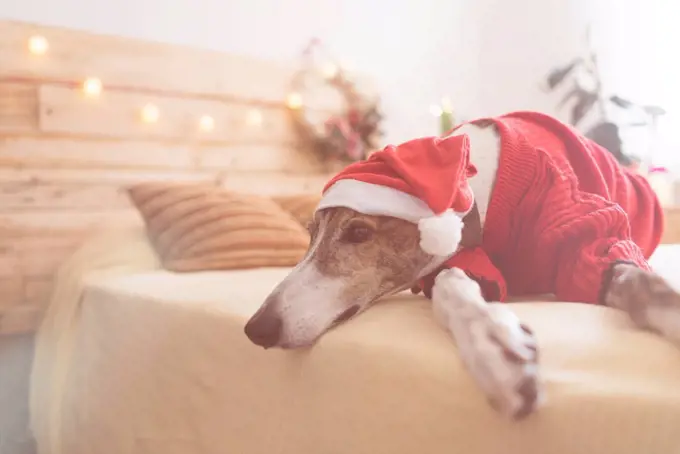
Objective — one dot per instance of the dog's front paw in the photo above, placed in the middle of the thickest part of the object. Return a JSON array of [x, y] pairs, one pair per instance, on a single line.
[[504, 356], [648, 298], [498, 350]]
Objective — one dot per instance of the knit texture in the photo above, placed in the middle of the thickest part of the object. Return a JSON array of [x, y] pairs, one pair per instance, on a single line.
[[561, 212]]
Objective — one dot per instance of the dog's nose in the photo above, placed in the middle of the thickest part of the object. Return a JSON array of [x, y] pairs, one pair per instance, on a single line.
[[264, 329]]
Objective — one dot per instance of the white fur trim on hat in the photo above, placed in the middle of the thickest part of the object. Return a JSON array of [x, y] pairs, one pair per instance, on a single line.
[[374, 199], [439, 234]]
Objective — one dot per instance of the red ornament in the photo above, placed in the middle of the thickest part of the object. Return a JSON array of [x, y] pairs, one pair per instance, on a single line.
[[354, 117]]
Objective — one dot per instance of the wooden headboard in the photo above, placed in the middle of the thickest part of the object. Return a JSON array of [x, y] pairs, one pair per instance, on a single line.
[[66, 153]]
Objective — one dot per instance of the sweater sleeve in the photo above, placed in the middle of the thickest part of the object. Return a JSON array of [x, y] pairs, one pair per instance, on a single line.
[[586, 256], [478, 266]]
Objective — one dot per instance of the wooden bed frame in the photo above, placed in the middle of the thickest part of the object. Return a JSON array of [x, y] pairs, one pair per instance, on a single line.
[[65, 155]]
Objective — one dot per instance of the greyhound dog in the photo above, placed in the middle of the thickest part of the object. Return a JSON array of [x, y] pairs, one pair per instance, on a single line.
[[355, 258]]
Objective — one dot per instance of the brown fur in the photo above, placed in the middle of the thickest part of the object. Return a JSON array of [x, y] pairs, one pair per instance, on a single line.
[[390, 257], [634, 291]]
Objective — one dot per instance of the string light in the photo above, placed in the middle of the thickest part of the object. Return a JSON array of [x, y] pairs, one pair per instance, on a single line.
[[330, 70], [38, 45], [254, 118], [444, 111], [92, 86], [347, 67], [436, 110], [206, 123], [446, 105], [294, 100], [150, 113]]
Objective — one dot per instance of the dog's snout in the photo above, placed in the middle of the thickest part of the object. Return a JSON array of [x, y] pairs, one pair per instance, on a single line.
[[264, 329]]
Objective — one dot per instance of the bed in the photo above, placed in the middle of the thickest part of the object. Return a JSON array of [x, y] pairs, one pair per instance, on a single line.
[[156, 362]]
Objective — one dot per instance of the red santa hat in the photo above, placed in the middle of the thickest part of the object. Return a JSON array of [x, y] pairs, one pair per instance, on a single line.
[[423, 181]]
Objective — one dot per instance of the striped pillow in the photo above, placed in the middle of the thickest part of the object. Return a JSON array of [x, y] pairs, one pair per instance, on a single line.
[[197, 227]]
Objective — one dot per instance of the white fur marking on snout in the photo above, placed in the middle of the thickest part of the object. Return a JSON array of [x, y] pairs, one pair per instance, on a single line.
[[308, 301]]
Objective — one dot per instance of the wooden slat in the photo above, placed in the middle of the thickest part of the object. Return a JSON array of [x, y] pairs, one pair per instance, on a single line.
[[258, 159], [99, 176], [18, 107], [36, 250], [37, 290], [54, 223], [118, 115], [9, 262], [75, 196], [32, 239], [33, 264], [32, 248], [69, 153], [20, 319], [43, 263], [60, 153], [75, 55], [91, 189], [11, 290], [128, 177], [275, 184]]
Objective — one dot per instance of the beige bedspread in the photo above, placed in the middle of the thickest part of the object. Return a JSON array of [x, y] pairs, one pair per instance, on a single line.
[[161, 366]]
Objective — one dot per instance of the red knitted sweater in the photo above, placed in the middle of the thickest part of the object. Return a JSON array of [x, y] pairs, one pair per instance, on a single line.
[[561, 211]]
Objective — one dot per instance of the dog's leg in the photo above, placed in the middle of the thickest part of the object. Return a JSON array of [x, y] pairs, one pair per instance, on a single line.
[[498, 350], [648, 298]]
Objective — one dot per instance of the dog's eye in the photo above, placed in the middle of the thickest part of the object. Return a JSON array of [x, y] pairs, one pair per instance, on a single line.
[[357, 234]]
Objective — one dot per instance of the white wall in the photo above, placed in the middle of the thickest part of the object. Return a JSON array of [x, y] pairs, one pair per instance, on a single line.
[[638, 42]]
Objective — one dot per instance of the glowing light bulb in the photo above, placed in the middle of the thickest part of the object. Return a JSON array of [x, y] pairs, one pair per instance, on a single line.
[[150, 113], [92, 86], [446, 105], [347, 66], [330, 71], [294, 100], [206, 123], [38, 45], [436, 110], [254, 118]]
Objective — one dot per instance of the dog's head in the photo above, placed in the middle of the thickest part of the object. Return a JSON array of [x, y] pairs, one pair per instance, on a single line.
[[354, 258], [352, 261]]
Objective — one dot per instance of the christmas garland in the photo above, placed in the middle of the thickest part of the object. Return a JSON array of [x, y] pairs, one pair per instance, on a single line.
[[346, 136]]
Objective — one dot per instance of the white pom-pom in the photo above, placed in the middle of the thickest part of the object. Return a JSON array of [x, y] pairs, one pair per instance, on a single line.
[[441, 234]]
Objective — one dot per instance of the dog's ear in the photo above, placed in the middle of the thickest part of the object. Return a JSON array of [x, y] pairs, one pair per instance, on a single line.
[[472, 228], [471, 237]]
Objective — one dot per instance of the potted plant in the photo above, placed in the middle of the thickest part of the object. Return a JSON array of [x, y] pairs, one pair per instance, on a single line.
[[587, 93]]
